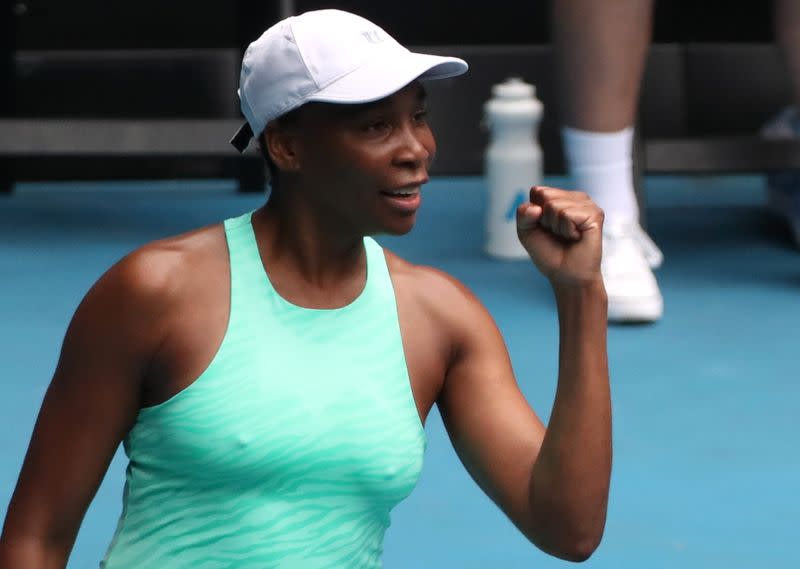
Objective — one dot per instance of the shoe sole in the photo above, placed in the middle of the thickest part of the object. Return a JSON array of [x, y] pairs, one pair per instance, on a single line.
[[635, 310]]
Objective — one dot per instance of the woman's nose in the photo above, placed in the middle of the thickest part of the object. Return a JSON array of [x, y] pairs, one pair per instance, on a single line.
[[416, 147]]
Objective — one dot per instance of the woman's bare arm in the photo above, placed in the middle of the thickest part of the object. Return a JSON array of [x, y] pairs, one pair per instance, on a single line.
[[90, 405]]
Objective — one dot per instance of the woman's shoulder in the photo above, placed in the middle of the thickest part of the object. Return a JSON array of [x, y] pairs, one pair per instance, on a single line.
[[161, 270], [437, 292]]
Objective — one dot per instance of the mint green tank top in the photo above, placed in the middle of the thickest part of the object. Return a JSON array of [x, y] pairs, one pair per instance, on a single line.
[[290, 449]]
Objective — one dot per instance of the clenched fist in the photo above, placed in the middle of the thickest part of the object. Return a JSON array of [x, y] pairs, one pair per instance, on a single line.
[[563, 233]]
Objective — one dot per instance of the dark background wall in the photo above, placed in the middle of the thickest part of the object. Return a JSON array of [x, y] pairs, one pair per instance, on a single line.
[[100, 58], [524, 22], [159, 24], [713, 71]]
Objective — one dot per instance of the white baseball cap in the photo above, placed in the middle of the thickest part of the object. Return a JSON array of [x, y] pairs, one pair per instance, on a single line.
[[329, 56]]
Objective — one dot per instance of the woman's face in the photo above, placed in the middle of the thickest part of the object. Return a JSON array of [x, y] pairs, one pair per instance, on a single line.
[[365, 163]]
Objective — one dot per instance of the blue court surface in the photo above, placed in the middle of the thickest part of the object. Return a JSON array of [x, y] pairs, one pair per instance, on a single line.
[[707, 460]]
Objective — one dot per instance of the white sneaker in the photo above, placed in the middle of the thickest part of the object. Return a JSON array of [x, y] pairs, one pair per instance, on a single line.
[[629, 257], [783, 188]]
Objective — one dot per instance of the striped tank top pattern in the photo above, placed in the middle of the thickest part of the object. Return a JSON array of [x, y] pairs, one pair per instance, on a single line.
[[290, 449]]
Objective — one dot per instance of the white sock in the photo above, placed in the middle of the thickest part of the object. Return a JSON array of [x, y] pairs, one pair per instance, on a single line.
[[601, 165]]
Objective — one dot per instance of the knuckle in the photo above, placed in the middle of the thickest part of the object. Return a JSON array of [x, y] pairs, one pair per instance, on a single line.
[[551, 210]]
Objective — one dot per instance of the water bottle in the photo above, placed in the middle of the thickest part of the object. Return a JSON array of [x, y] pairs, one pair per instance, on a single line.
[[513, 162]]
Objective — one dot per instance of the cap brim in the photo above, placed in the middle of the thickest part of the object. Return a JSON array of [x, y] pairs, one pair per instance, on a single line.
[[380, 78]]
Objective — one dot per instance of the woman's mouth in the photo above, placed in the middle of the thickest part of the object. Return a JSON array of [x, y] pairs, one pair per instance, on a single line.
[[405, 199], [404, 193]]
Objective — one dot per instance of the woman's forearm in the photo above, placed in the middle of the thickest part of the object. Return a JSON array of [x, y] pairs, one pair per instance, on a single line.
[[31, 553], [570, 479]]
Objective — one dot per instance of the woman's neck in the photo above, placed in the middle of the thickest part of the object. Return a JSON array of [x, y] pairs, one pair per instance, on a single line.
[[296, 239]]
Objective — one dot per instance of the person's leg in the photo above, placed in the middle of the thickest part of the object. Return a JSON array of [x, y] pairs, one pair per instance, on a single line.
[[601, 49], [787, 35], [784, 187], [600, 52]]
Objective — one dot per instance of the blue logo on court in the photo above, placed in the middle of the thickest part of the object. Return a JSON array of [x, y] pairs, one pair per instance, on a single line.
[[519, 199]]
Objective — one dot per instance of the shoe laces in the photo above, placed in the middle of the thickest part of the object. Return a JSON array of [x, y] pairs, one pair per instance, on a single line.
[[622, 238]]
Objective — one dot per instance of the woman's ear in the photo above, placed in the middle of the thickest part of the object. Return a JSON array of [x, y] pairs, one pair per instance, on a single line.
[[281, 146]]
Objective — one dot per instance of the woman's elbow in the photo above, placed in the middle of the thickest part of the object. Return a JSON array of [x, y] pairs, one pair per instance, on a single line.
[[576, 547], [580, 551]]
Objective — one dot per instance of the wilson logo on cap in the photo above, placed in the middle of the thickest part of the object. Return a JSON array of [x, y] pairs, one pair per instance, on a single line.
[[373, 36]]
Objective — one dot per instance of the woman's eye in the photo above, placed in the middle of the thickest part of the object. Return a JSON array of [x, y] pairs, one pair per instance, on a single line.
[[376, 126], [421, 116]]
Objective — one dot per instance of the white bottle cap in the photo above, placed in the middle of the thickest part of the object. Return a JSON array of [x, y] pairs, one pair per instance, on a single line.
[[514, 88]]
